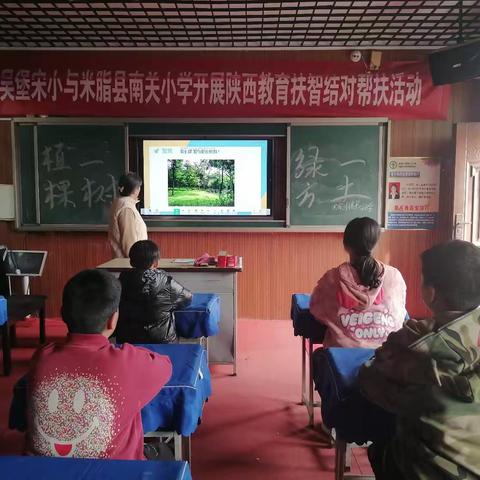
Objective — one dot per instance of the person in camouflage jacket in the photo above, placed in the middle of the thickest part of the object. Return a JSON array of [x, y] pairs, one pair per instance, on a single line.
[[428, 375]]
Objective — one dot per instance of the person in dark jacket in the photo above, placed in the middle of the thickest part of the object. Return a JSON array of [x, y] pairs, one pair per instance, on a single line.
[[149, 297]]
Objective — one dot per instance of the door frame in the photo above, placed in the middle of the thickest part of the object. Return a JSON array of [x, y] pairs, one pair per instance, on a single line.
[[465, 190]]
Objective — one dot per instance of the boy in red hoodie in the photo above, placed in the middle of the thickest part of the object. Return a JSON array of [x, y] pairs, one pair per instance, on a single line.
[[363, 300], [85, 396]]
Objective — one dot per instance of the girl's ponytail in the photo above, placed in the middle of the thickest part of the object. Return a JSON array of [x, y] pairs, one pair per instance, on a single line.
[[369, 271], [360, 237]]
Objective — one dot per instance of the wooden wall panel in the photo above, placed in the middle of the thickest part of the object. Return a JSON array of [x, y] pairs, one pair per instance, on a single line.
[[276, 264], [279, 264], [6, 175]]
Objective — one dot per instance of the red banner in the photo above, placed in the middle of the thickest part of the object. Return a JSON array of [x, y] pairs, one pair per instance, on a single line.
[[154, 84]]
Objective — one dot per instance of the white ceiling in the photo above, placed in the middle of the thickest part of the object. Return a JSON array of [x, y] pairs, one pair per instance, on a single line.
[[238, 24]]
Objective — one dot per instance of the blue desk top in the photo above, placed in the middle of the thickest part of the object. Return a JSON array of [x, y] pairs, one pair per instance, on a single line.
[[302, 300], [49, 468], [201, 318], [178, 406], [304, 323], [345, 364]]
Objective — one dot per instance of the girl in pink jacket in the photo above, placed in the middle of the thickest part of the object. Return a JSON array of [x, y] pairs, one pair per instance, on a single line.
[[363, 300]]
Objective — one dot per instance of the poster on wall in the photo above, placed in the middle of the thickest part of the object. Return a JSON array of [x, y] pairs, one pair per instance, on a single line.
[[412, 193]]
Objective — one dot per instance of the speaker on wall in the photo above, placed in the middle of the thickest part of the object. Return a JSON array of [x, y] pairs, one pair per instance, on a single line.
[[456, 64]]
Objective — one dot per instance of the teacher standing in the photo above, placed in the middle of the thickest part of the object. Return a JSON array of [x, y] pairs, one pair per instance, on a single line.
[[126, 224]]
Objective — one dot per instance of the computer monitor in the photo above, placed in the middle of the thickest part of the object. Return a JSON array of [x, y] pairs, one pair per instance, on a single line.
[[25, 262], [207, 178]]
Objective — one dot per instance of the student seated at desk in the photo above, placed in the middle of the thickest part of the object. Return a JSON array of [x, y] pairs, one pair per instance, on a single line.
[[149, 297], [85, 396], [428, 374], [363, 300]]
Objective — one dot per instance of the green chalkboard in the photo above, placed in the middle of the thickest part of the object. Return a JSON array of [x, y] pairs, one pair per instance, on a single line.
[[334, 173], [26, 139], [68, 173]]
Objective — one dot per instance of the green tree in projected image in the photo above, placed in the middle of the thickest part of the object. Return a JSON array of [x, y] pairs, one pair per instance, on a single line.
[[201, 183]]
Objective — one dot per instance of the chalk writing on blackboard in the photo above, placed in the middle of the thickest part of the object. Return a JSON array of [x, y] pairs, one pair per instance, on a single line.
[[306, 197], [94, 193], [96, 187], [68, 173], [91, 162], [309, 165], [334, 173], [313, 172], [58, 161], [58, 194], [350, 201]]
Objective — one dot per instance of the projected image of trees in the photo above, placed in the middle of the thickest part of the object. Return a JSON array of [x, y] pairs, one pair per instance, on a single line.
[[202, 183]]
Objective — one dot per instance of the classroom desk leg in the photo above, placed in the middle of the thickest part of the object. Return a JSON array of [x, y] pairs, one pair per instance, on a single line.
[[304, 366], [26, 285], [340, 454], [7, 354], [348, 457], [178, 440], [182, 446], [13, 335], [308, 397], [187, 449], [311, 404], [41, 317], [343, 460], [235, 319]]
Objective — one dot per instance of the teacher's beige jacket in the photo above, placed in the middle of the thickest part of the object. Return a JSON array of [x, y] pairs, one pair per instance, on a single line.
[[126, 226]]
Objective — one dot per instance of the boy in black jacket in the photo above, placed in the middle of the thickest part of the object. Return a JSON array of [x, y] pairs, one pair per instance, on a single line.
[[149, 297]]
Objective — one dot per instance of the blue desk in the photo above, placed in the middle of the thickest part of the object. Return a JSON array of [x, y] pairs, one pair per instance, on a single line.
[[354, 418], [179, 404], [217, 280], [177, 407], [312, 332], [304, 323], [48, 468], [201, 318]]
